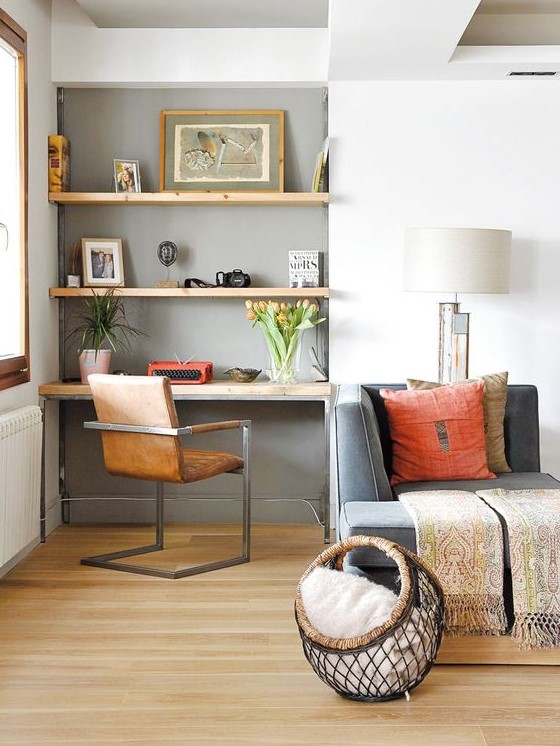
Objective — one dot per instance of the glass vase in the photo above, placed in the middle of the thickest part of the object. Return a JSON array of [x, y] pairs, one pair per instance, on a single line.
[[284, 369]]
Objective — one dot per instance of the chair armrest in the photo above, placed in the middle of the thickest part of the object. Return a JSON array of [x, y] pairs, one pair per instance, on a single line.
[[209, 427], [187, 430]]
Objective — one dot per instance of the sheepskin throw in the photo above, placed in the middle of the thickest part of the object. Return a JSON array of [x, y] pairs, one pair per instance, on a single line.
[[340, 604]]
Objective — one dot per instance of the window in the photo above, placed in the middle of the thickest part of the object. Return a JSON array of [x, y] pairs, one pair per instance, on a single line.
[[14, 334]]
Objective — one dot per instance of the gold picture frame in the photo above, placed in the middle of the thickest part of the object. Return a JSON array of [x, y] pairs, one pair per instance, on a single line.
[[222, 151], [102, 262]]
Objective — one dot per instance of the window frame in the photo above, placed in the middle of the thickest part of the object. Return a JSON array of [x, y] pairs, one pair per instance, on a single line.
[[15, 370]]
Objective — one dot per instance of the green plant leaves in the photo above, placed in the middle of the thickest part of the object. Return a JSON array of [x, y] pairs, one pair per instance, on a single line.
[[104, 320]]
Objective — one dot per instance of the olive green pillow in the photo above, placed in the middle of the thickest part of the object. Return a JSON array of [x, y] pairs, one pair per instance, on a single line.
[[494, 406]]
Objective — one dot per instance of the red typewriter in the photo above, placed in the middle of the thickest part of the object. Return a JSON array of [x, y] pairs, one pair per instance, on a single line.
[[195, 371]]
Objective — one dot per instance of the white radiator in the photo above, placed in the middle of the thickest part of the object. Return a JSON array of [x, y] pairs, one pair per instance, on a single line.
[[20, 480]]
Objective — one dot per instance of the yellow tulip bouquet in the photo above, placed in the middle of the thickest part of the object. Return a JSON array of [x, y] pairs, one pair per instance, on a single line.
[[282, 325]]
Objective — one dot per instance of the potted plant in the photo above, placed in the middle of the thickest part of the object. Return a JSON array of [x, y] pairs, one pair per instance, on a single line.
[[102, 322]]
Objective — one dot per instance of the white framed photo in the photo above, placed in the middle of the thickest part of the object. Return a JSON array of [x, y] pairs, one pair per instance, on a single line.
[[126, 175], [102, 262]]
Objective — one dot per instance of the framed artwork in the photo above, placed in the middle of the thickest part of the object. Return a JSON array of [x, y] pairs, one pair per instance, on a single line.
[[102, 262], [126, 175], [222, 151]]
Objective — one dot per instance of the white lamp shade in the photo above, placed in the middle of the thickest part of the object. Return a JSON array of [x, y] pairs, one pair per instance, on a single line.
[[457, 260]]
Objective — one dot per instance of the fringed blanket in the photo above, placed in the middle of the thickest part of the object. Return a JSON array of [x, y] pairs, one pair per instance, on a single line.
[[459, 536], [533, 525], [460, 539]]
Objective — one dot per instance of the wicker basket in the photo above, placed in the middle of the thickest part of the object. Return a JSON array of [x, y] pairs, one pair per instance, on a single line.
[[390, 660]]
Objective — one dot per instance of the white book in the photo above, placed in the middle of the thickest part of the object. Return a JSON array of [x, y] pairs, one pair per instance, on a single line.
[[304, 269]]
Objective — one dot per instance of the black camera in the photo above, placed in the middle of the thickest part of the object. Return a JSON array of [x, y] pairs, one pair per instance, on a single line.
[[234, 279]]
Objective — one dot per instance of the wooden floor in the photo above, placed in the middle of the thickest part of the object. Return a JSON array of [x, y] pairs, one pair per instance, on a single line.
[[93, 656]]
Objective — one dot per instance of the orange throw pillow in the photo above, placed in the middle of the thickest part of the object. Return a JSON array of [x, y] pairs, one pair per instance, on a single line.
[[437, 434]]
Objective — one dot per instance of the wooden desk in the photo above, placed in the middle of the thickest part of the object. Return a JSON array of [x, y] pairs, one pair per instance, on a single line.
[[216, 391]]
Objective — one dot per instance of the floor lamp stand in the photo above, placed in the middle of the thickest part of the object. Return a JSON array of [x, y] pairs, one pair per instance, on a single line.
[[453, 343]]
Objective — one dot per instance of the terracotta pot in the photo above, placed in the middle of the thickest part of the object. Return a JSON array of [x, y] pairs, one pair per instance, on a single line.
[[94, 361]]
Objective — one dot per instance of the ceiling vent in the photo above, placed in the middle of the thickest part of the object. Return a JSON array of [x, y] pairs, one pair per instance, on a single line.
[[537, 73]]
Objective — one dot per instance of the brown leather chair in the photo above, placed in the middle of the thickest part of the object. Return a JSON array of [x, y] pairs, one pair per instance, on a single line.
[[141, 439]]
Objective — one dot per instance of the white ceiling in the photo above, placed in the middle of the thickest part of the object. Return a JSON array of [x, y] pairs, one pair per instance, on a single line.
[[207, 13], [256, 13], [375, 39]]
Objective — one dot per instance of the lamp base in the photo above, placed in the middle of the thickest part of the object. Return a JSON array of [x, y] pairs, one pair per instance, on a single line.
[[453, 343]]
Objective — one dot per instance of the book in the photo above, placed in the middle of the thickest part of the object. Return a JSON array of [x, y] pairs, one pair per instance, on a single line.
[[59, 164], [304, 269], [320, 175]]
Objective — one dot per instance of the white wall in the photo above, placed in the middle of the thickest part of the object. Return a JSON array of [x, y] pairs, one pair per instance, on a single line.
[[34, 17], [437, 154]]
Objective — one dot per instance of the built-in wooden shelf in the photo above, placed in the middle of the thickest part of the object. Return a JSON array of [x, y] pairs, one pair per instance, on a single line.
[[195, 292], [192, 199]]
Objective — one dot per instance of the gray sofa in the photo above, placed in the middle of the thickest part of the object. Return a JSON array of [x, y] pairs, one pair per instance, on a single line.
[[367, 504]]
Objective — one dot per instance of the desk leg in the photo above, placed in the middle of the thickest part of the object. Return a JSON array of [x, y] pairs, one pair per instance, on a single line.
[[64, 502], [42, 501], [326, 510]]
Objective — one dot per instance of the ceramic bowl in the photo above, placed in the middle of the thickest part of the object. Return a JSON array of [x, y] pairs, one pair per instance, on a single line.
[[242, 375]]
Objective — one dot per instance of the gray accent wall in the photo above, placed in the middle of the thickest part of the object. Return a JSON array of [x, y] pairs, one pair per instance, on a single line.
[[288, 447]]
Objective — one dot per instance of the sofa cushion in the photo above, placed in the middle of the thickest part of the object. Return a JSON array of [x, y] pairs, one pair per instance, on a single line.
[[494, 407], [437, 434], [521, 480], [391, 520]]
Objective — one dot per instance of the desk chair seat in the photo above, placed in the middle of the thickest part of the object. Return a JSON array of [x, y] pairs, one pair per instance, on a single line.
[[141, 439]]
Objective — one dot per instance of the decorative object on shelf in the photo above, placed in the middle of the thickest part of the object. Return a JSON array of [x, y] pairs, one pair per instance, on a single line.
[[74, 279], [242, 375], [234, 279], [456, 260], [103, 321], [126, 175], [282, 325], [321, 173], [59, 164], [222, 151], [304, 269], [102, 262], [167, 255], [317, 366]]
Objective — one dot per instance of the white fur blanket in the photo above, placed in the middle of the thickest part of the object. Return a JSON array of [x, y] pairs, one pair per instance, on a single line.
[[340, 604]]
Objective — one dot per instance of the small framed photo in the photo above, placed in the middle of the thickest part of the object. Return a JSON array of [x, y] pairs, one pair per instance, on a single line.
[[102, 262], [222, 151], [126, 174]]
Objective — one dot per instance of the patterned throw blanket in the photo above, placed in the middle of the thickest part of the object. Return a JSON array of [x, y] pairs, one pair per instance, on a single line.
[[459, 535], [533, 524], [460, 539]]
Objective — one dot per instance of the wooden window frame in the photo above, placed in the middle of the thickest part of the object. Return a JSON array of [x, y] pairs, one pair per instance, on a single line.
[[15, 370]]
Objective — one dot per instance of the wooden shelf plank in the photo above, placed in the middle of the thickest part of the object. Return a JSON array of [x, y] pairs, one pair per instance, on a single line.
[[320, 292], [192, 199]]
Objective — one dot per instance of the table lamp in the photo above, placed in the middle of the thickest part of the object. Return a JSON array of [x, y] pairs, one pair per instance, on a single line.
[[456, 260]]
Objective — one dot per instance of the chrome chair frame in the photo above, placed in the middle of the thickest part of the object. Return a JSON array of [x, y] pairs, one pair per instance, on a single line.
[[108, 560]]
